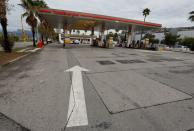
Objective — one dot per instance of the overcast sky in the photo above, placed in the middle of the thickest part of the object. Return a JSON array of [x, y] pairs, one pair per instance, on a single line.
[[169, 13]]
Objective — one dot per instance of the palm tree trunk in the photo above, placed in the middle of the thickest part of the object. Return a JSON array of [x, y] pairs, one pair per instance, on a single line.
[[142, 30], [42, 37], [46, 39], [33, 36], [6, 45], [141, 34]]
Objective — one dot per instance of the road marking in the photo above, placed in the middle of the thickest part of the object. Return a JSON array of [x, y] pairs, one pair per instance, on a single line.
[[77, 112]]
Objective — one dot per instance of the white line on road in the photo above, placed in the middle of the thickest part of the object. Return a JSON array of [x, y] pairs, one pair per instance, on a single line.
[[77, 112]]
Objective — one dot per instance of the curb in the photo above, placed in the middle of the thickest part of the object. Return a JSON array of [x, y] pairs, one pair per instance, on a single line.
[[19, 58]]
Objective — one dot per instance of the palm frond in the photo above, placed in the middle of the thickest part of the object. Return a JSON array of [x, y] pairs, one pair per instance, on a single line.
[[146, 12], [25, 4], [191, 13], [25, 14], [191, 18]]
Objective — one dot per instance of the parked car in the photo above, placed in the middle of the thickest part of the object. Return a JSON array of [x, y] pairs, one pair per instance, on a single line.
[[181, 48], [49, 40], [76, 42], [115, 43]]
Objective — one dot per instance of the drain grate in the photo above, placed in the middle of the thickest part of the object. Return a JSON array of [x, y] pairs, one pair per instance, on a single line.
[[130, 61], [137, 61], [133, 54], [123, 61], [106, 62]]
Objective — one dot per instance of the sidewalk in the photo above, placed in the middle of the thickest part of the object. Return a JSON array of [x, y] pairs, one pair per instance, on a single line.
[[7, 57], [16, 54]]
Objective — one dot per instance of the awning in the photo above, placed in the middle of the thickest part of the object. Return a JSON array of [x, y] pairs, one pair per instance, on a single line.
[[85, 21]]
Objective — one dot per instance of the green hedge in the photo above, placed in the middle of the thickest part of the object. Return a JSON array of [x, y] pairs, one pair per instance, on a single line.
[[189, 42], [11, 39]]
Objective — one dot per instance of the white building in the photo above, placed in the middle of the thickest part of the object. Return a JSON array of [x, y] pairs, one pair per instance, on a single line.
[[186, 33], [160, 36]]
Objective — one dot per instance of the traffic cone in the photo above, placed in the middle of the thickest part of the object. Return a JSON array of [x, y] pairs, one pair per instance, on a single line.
[[40, 44]]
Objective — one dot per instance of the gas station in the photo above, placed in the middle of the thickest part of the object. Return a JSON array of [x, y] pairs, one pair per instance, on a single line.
[[72, 20], [89, 88]]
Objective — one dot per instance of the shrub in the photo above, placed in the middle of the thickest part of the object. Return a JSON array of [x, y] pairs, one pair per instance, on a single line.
[[11, 40], [162, 42], [170, 39], [150, 37], [189, 42], [156, 41]]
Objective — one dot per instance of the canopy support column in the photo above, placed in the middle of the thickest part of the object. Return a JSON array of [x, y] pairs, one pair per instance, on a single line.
[[65, 33], [131, 34], [65, 28], [92, 35], [102, 34]]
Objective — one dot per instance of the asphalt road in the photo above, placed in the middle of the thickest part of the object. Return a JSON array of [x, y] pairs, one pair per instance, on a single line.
[[125, 89]]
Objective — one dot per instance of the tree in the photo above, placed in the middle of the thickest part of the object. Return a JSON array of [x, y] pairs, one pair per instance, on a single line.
[[150, 37], [109, 35], [123, 36], [115, 37], [191, 17], [145, 13], [156, 41], [31, 9], [170, 39], [85, 31], [3, 19], [43, 29], [31, 21], [46, 30], [78, 32], [189, 42]]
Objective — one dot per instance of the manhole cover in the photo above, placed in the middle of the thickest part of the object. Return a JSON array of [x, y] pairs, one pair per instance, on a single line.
[[132, 54], [123, 61], [129, 61], [137, 61], [117, 55], [106, 62]]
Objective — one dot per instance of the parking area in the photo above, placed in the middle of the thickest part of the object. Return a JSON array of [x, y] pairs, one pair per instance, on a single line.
[[124, 78], [125, 89]]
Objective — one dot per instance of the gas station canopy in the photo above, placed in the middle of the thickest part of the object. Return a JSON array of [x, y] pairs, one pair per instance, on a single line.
[[85, 21]]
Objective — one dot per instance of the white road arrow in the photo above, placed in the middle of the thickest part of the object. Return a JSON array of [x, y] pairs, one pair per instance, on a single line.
[[77, 112]]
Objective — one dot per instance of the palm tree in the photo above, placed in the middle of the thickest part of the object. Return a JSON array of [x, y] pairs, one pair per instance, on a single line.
[[191, 17], [45, 30], [145, 12], [3, 19], [31, 21], [31, 9]]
